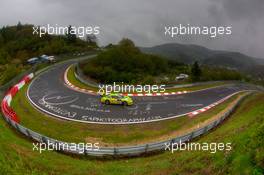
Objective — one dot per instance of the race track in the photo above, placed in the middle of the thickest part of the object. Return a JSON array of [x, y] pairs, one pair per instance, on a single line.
[[48, 93]]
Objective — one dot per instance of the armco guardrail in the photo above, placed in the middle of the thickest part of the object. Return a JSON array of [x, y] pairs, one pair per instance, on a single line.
[[81, 77], [107, 151]]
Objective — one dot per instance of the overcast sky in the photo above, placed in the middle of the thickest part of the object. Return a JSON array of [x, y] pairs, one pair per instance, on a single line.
[[143, 21]]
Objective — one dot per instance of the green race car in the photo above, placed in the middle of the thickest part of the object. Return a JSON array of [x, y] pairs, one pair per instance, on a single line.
[[116, 99]]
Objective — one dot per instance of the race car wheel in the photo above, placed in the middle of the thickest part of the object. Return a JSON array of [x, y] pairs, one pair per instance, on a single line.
[[125, 103], [107, 102]]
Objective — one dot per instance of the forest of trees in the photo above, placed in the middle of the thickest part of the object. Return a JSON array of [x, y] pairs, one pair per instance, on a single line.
[[17, 44], [126, 63]]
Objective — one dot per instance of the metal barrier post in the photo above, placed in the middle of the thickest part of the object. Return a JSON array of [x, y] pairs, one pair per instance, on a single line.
[[115, 151], [191, 136], [29, 135], [17, 127], [146, 148], [205, 130]]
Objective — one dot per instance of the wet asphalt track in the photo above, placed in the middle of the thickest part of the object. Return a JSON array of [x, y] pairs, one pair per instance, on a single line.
[[48, 93]]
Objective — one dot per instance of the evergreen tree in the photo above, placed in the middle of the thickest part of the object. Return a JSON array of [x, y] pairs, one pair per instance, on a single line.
[[19, 26], [91, 39], [196, 71], [71, 36], [128, 46], [1, 40]]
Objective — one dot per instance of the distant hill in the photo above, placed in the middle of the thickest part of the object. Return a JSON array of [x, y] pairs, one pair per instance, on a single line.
[[183, 53], [190, 53], [259, 61], [231, 60]]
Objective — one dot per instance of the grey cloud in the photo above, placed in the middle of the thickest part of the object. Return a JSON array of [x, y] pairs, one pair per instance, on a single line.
[[144, 21], [241, 9]]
